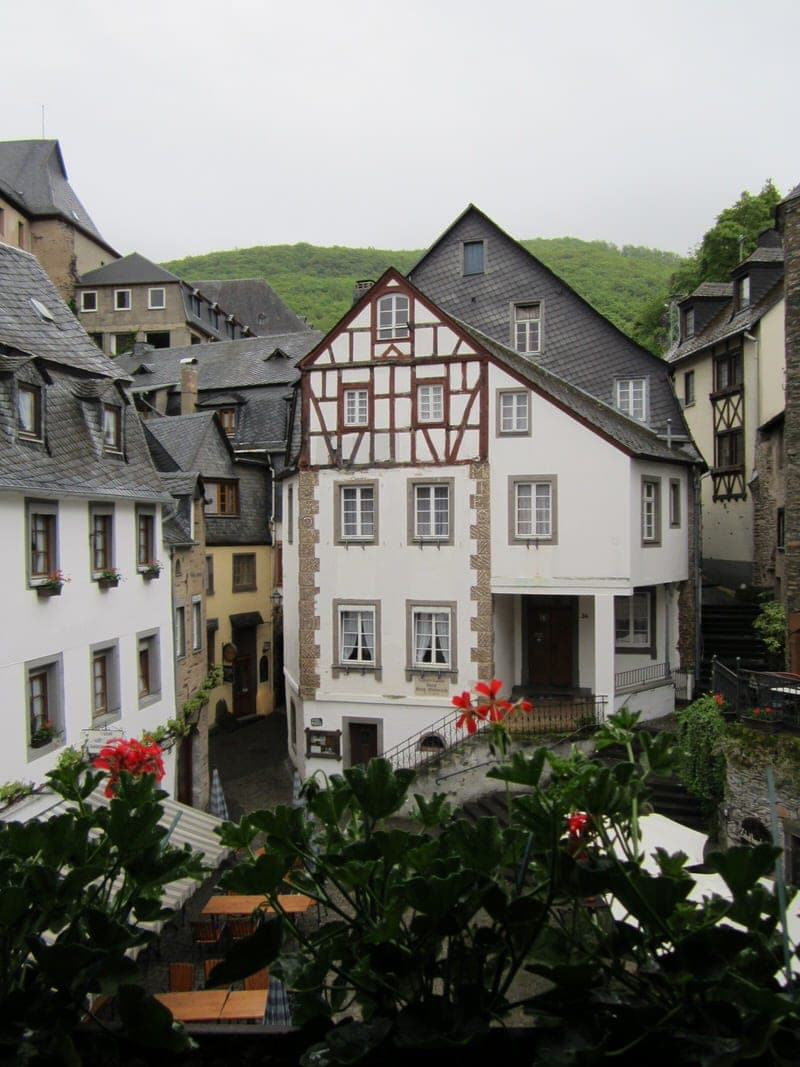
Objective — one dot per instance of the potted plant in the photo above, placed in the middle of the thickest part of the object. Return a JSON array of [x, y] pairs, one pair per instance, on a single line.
[[52, 584], [151, 569], [43, 735], [764, 719], [109, 578]]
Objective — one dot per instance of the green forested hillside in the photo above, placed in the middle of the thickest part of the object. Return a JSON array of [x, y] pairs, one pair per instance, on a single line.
[[318, 282]]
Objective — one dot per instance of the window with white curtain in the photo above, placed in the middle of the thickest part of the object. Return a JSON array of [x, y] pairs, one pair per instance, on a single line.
[[356, 407], [356, 635], [631, 397], [392, 317], [430, 403], [528, 327], [632, 616], [431, 638], [358, 512], [533, 510], [513, 410]]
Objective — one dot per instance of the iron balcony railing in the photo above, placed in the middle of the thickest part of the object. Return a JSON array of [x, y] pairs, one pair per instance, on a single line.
[[548, 717], [744, 691], [640, 676]]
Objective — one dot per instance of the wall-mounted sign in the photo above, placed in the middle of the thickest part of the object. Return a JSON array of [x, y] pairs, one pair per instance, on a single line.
[[316, 722]]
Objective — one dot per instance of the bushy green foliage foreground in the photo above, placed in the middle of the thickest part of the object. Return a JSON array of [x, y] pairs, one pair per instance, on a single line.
[[317, 283], [425, 935], [700, 761]]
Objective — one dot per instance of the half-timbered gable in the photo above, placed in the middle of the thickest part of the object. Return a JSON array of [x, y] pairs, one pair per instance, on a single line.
[[395, 383]]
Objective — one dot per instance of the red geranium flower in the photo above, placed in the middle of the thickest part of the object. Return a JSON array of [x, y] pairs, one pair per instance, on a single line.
[[495, 709], [524, 706], [768, 712], [469, 713], [757, 712], [130, 756], [577, 823], [719, 700]]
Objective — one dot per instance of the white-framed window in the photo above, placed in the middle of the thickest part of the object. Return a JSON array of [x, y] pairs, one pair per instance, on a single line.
[[356, 635], [197, 624], [122, 300], [651, 511], [743, 292], [157, 299], [528, 327], [474, 257], [356, 407], [432, 512], [533, 511], [631, 397], [632, 618], [29, 411], [431, 638], [357, 504], [430, 403], [89, 300], [392, 317], [112, 427], [180, 632], [513, 411]]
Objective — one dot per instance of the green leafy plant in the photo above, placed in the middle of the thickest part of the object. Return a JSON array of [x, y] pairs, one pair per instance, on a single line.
[[426, 934], [700, 761], [173, 729], [770, 625], [13, 791], [77, 888]]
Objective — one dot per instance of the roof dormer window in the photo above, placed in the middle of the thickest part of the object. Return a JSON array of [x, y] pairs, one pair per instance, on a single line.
[[743, 292], [29, 412], [688, 323], [112, 428]]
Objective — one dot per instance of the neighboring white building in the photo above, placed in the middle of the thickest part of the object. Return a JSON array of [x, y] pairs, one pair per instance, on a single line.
[[79, 499], [453, 512]]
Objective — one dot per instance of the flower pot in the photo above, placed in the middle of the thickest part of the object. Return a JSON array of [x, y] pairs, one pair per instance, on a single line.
[[40, 742], [150, 573], [50, 590], [108, 583], [765, 726]]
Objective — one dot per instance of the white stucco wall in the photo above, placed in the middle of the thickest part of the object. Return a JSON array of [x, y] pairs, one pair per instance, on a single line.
[[69, 625]]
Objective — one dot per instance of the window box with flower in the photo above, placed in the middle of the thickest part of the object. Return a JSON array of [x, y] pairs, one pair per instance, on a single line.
[[44, 735], [150, 570], [767, 720], [109, 578], [51, 584]]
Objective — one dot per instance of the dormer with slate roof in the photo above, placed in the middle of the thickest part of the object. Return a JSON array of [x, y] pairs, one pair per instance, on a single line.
[[480, 274]]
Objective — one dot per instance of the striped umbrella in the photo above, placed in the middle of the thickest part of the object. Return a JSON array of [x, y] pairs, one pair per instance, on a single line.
[[217, 805]]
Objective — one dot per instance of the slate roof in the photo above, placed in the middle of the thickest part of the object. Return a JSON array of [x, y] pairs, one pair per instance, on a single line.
[[224, 364], [714, 290], [133, 269], [763, 255], [727, 324], [579, 344], [34, 178], [63, 340], [634, 437], [253, 302], [183, 437]]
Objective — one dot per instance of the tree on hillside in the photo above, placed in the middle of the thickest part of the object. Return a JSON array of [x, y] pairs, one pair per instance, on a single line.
[[731, 239]]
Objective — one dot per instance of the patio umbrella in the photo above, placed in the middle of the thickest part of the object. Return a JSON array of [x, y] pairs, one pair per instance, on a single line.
[[217, 805], [278, 1011]]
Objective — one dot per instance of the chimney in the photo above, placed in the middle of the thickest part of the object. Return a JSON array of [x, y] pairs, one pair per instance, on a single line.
[[361, 287], [188, 385]]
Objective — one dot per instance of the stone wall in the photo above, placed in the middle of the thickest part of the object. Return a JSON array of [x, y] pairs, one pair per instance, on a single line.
[[769, 494], [789, 221], [52, 242]]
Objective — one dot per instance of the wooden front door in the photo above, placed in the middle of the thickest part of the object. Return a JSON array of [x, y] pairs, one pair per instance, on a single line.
[[245, 679], [363, 742], [550, 628]]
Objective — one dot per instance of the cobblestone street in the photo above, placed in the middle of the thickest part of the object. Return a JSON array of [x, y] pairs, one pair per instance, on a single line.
[[252, 762]]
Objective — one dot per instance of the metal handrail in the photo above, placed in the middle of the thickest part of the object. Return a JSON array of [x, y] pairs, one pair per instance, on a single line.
[[653, 672]]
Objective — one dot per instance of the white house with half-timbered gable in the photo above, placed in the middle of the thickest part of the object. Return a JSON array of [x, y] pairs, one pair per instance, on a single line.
[[453, 512]]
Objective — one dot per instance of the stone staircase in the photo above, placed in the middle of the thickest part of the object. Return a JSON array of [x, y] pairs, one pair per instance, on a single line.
[[728, 634]]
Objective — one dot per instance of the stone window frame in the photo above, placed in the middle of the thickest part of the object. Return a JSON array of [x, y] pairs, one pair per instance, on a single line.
[[48, 508], [528, 429], [54, 668], [238, 587], [180, 631], [532, 479], [650, 649], [417, 670], [114, 697], [675, 503], [152, 639], [102, 509], [339, 667], [339, 536], [364, 720], [411, 508], [84, 294], [655, 540]]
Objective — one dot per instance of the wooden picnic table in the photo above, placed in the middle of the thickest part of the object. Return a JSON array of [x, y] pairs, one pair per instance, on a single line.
[[234, 905], [216, 1005]]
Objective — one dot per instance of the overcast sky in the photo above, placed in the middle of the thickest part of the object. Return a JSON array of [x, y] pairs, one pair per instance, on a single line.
[[189, 126]]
